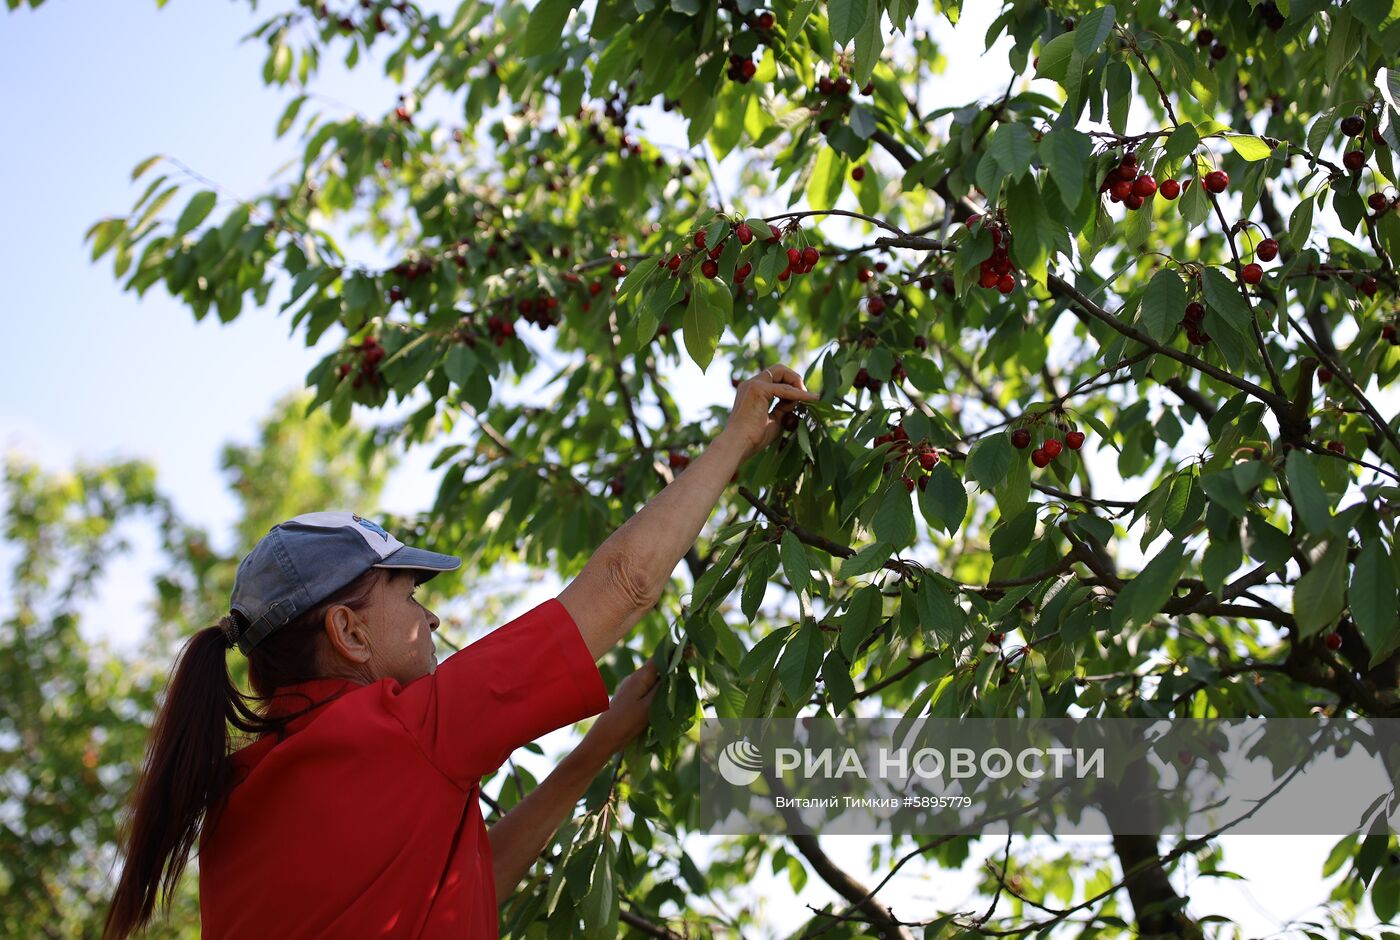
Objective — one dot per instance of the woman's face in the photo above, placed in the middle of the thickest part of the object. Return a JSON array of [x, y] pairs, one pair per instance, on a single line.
[[392, 638]]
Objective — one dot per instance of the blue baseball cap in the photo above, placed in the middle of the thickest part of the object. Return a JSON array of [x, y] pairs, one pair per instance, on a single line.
[[306, 559]]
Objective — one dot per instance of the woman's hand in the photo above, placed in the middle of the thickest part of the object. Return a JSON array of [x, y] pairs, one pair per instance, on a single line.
[[750, 421], [627, 713]]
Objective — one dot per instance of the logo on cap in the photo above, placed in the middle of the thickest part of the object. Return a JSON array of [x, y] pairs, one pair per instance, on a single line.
[[373, 527]]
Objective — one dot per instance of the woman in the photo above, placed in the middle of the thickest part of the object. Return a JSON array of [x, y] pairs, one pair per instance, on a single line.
[[355, 813]]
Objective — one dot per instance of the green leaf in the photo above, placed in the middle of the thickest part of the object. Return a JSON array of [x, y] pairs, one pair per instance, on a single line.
[[196, 210], [1182, 141], [845, 17], [1143, 597], [1011, 146], [1372, 599], [1224, 299], [990, 460], [1305, 486], [702, 323], [1317, 598], [867, 559], [1014, 535], [289, 115], [1065, 152], [944, 499], [1249, 147], [797, 670], [546, 26], [1163, 304], [870, 42], [145, 165], [1092, 30], [1054, 58], [860, 618], [795, 564], [894, 520]]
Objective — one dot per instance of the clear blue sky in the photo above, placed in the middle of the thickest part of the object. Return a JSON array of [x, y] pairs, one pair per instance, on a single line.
[[90, 89]]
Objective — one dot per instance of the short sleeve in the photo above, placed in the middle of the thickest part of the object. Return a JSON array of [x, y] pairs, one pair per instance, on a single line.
[[521, 681]]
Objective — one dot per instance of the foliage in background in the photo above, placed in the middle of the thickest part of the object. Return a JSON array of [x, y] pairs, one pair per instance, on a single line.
[[1183, 252]]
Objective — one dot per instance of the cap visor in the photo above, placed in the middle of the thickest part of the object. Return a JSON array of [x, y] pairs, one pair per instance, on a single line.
[[430, 563]]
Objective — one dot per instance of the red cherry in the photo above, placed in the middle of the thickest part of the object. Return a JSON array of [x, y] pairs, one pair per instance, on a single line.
[[864, 275], [1336, 447], [928, 460], [1006, 283], [908, 482], [744, 232], [765, 21], [1216, 181], [1333, 641], [921, 343], [923, 483], [747, 68], [825, 85], [1353, 125], [858, 173], [875, 305], [1134, 201], [1052, 448], [1377, 201], [1267, 250], [709, 268], [1039, 457], [594, 289], [790, 421], [1170, 189], [743, 272], [1121, 190], [1388, 334], [996, 638], [973, 220], [1324, 375], [989, 278], [1145, 186], [1074, 439], [810, 256], [1252, 273], [1368, 286], [1354, 160], [618, 269], [1195, 312], [1020, 438], [700, 239]]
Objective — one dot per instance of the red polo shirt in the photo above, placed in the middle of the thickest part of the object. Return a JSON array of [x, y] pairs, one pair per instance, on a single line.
[[364, 821]]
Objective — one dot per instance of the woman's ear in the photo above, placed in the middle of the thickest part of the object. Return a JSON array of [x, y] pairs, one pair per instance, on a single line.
[[348, 635]]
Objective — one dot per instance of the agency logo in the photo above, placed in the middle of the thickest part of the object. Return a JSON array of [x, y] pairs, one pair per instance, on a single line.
[[740, 763], [372, 526]]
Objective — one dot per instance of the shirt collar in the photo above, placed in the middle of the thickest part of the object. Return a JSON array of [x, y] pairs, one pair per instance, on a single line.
[[294, 698]]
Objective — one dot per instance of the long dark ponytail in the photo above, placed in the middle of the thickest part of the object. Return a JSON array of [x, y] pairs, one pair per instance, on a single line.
[[186, 774]]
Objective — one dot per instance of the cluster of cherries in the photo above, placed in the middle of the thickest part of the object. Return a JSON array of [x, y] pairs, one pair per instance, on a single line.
[[1354, 125], [996, 271], [741, 67], [1206, 38], [1050, 449], [543, 312], [1194, 320], [1132, 187], [924, 452], [370, 353]]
